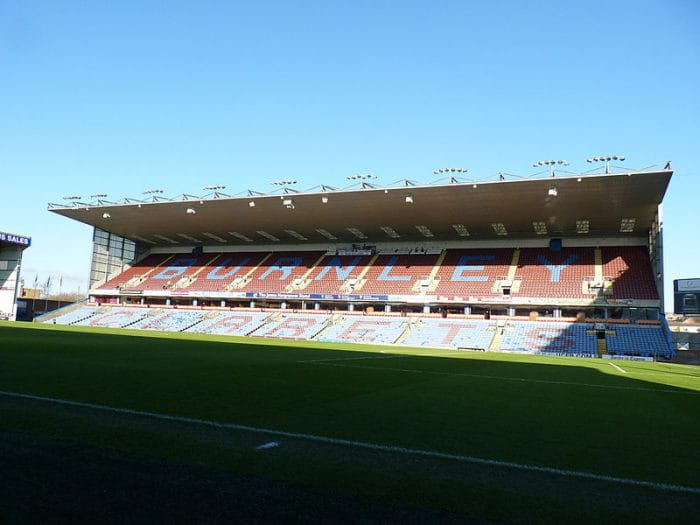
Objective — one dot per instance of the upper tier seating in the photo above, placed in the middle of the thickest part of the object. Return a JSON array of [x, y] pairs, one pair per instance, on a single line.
[[560, 274], [115, 317], [397, 274], [365, 329], [333, 271], [137, 270], [223, 269], [631, 271], [451, 333], [280, 270], [173, 270], [645, 341], [230, 323], [549, 338], [170, 320], [294, 326], [465, 273], [74, 316]]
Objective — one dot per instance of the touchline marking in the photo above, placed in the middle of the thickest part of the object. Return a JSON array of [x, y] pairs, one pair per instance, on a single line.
[[519, 379], [366, 445], [618, 367], [351, 358]]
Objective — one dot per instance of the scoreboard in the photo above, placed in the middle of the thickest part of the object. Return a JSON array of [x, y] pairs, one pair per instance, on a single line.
[[686, 296]]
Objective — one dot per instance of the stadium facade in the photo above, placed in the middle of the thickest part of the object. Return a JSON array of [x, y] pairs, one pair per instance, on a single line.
[[581, 248], [11, 247]]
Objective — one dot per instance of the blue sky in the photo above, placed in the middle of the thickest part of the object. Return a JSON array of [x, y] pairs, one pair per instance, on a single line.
[[118, 97]]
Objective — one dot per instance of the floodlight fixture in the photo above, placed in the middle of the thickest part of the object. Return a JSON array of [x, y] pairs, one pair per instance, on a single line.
[[106, 215], [552, 191], [440, 171], [98, 196], [288, 203], [152, 192], [551, 164], [215, 188], [191, 211], [606, 159], [361, 176], [72, 198], [251, 204], [409, 198], [324, 199], [283, 182]]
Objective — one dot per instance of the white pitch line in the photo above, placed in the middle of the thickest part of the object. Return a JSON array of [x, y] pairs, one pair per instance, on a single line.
[[351, 358], [270, 444], [570, 473], [519, 379], [617, 367]]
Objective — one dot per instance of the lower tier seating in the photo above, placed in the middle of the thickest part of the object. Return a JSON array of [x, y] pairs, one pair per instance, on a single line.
[[79, 314], [451, 333], [169, 320], [645, 341], [293, 326], [535, 337], [365, 329], [549, 338], [229, 323], [115, 317]]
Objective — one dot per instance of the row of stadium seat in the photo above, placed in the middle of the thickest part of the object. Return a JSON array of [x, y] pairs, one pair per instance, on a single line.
[[553, 338], [462, 273]]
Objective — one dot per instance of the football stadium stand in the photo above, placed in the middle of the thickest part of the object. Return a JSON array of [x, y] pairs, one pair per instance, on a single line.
[[557, 264]]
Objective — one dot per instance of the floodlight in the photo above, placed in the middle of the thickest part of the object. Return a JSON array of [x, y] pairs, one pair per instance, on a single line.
[[251, 204], [191, 211], [409, 199], [106, 215]]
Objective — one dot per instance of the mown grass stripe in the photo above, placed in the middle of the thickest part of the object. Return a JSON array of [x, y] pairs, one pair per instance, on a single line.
[[365, 445]]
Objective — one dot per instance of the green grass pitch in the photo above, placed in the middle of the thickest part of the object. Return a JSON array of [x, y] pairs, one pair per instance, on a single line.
[[637, 421]]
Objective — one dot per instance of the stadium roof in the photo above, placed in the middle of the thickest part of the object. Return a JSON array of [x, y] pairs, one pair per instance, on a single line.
[[578, 205]]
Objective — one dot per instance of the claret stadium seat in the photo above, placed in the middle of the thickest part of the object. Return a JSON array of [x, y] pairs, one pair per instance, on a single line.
[[465, 273], [333, 271], [398, 274], [558, 275], [630, 270], [280, 270]]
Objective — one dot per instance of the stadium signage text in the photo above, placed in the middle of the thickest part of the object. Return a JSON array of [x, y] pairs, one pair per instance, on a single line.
[[688, 285], [15, 239]]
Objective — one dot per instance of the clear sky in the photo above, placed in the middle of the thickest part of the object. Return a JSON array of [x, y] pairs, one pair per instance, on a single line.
[[118, 97]]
